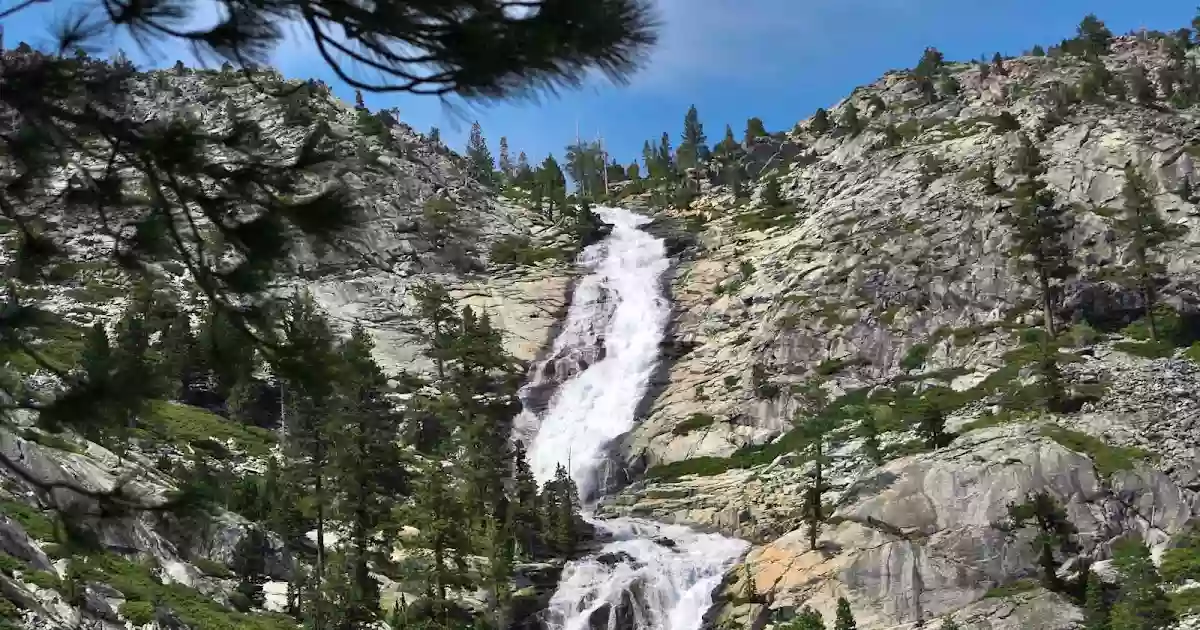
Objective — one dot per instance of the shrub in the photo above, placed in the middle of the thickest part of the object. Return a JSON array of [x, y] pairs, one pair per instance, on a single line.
[[1106, 457], [138, 613], [692, 423], [518, 250], [915, 357], [1182, 562]]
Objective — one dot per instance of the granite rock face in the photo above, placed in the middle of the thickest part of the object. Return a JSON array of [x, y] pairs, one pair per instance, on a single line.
[[890, 270]]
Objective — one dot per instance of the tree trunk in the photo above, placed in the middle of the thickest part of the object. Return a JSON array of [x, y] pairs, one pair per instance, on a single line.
[[1148, 296], [1047, 303], [319, 489]]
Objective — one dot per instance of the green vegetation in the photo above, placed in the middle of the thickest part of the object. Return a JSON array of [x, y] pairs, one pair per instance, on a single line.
[[172, 423], [518, 250], [1012, 588], [1106, 457], [1181, 562], [914, 359], [1146, 349], [138, 583], [760, 219], [211, 568], [49, 440], [693, 422], [37, 524]]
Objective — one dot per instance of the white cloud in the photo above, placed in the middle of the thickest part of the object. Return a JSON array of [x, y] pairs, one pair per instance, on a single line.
[[714, 39]]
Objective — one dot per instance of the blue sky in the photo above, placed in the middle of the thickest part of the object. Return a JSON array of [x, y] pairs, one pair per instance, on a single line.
[[775, 59]]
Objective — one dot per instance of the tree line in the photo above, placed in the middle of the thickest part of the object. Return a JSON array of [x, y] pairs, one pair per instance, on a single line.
[[353, 458]]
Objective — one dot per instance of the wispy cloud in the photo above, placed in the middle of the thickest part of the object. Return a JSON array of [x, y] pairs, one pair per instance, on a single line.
[[704, 40]]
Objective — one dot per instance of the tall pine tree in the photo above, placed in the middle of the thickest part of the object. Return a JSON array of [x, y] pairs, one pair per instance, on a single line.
[[1146, 233], [1039, 229], [693, 149], [483, 167]]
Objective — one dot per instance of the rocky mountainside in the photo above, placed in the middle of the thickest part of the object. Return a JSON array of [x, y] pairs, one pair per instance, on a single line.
[[424, 218], [884, 281], [879, 286]]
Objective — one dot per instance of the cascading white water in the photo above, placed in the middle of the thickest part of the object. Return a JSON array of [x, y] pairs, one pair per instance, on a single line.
[[650, 576]]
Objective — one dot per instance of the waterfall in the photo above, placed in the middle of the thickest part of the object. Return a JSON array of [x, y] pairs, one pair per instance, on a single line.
[[650, 576]]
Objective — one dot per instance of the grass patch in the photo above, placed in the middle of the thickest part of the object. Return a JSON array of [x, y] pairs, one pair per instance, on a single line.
[[518, 250], [693, 422], [833, 366], [95, 291], [57, 341], [1106, 457], [180, 424], [49, 440], [1186, 601], [1015, 588], [914, 359], [896, 409], [138, 613], [763, 218], [1146, 349], [700, 466], [37, 524], [212, 568], [139, 584], [42, 579], [1181, 562]]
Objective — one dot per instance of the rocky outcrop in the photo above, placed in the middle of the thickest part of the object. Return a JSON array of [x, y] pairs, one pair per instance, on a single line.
[[890, 270]]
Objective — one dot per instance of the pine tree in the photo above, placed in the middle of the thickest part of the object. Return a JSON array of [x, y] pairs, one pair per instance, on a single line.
[[1095, 607], [523, 174], [225, 351], [526, 504], [483, 167], [1039, 228], [1146, 233], [370, 471], [1055, 537], [1140, 87], [850, 123], [990, 187], [506, 166], [814, 431], [435, 136], [820, 122], [998, 64], [560, 511], [806, 619], [754, 129], [931, 425], [358, 100], [309, 375], [1093, 36], [868, 429], [96, 359], [179, 355], [1141, 603], [1038, 51], [632, 172], [439, 515], [845, 617], [665, 156], [435, 311], [771, 196], [693, 150], [728, 145], [250, 565], [649, 158], [930, 64], [948, 623]]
